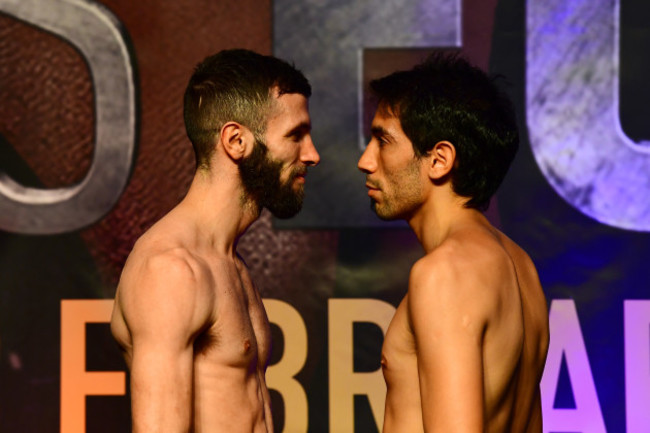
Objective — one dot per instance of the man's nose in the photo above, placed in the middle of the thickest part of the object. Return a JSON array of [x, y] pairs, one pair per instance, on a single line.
[[367, 163], [308, 153]]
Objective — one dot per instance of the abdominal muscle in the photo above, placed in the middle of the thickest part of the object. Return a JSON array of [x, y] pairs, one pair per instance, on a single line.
[[400, 367], [403, 405], [230, 393], [228, 399]]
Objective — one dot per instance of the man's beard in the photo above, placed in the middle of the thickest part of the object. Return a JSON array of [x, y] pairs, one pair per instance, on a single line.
[[401, 194], [260, 175], [383, 213]]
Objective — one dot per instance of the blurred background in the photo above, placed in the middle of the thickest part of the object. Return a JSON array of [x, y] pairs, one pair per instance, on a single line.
[[93, 151]]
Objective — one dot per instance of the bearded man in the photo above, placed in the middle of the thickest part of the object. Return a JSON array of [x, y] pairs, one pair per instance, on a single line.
[[191, 323]]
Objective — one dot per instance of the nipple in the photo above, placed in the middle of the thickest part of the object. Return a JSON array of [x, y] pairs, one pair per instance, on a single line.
[[247, 345]]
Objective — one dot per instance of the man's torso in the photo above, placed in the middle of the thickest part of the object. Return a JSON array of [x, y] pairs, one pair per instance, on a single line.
[[230, 350], [512, 354]]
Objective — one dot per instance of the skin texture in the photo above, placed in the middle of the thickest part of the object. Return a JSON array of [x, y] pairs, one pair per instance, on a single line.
[[190, 321], [466, 348]]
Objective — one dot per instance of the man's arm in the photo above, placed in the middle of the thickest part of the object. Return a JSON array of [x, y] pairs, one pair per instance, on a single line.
[[165, 305], [448, 321]]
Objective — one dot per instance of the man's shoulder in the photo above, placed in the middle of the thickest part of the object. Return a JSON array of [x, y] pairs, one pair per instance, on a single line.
[[154, 254], [516, 252], [466, 271], [467, 257], [158, 267], [164, 284], [445, 294]]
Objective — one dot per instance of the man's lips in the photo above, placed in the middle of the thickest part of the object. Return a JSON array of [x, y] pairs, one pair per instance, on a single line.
[[372, 188], [300, 176], [372, 185]]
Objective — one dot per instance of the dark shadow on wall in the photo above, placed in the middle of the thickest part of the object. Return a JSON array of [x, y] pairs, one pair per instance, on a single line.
[[36, 273]]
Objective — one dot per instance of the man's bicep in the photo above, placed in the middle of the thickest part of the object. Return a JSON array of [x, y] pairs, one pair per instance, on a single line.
[[448, 331], [161, 386], [164, 315]]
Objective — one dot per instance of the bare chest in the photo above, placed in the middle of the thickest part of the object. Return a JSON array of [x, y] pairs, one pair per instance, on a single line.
[[239, 335], [399, 357]]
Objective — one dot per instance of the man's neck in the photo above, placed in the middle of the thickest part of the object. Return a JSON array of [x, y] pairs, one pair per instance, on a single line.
[[438, 218], [216, 205]]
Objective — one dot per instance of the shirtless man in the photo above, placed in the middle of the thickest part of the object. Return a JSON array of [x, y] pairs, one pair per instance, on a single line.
[[467, 345], [190, 321]]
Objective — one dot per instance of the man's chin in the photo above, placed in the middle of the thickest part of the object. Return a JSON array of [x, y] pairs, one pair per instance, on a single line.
[[383, 213], [284, 214], [286, 207]]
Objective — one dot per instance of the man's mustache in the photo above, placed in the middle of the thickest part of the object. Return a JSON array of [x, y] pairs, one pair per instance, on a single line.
[[372, 184]]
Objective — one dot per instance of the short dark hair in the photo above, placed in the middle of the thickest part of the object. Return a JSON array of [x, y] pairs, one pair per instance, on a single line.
[[235, 85], [446, 98]]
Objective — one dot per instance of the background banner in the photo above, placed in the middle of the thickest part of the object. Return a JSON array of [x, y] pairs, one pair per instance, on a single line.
[[93, 151]]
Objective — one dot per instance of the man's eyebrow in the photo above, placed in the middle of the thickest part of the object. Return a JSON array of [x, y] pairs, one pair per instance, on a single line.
[[378, 131], [301, 128]]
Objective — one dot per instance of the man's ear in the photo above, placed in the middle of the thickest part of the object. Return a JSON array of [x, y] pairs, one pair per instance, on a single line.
[[237, 140], [441, 160]]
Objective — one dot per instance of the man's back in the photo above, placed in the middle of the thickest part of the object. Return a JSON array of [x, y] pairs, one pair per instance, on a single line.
[[535, 342], [194, 333], [466, 348]]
